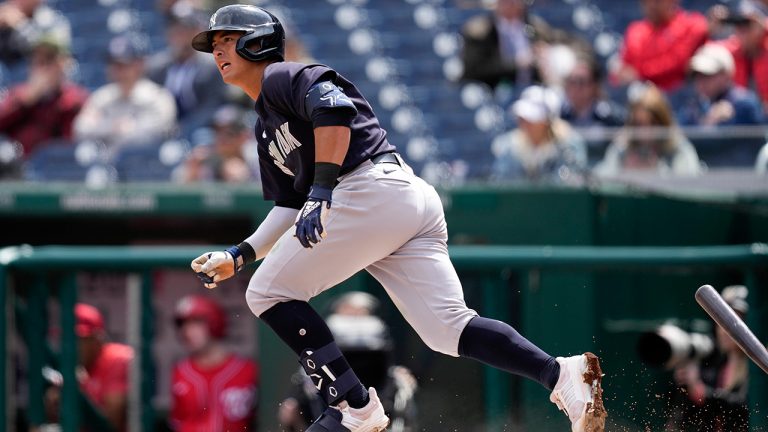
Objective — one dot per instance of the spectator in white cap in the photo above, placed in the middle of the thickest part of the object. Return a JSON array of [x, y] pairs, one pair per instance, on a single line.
[[543, 147], [718, 100]]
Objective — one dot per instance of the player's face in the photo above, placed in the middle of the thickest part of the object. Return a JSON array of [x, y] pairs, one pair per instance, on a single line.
[[232, 67]]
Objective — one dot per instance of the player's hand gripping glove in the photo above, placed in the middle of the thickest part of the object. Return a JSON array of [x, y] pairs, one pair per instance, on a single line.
[[214, 267], [311, 217]]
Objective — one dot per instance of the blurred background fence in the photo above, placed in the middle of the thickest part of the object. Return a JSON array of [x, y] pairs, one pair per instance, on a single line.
[[572, 269]]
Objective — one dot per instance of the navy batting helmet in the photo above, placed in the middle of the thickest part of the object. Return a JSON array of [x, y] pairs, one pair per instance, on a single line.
[[257, 25]]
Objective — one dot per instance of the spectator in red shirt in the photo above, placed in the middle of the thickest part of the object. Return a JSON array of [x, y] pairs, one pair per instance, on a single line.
[[43, 107], [749, 46], [659, 47], [212, 390], [104, 366]]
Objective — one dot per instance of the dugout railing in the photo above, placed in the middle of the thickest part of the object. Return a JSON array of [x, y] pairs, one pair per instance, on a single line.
[[52, 270]]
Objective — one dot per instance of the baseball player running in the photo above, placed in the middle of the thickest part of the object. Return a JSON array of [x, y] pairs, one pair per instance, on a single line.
[[346, 201]]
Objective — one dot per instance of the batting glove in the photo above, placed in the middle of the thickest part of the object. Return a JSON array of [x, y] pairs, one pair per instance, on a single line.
[[214, 267], [309, 222]]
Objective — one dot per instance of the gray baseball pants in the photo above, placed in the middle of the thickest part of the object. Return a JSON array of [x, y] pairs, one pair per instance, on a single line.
[[388, 221]]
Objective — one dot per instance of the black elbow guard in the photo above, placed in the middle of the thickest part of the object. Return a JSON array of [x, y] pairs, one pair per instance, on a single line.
[[326, 98]]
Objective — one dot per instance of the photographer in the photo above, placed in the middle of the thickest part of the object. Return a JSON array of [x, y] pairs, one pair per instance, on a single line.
[[712, 393]]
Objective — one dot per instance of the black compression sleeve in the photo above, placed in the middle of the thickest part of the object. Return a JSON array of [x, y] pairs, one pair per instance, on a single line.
[[326, 174], [246, 250]]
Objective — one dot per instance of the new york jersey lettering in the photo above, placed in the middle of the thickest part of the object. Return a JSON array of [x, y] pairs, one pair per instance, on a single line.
[[286, 143]]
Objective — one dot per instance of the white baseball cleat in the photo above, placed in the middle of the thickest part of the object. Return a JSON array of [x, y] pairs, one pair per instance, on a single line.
[[370, 418], [578, 392]]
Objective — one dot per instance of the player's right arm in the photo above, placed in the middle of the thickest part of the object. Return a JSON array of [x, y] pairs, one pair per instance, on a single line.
[[214, 267]]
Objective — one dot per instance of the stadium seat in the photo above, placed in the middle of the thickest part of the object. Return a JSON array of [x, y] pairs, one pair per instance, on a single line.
[[719, 152], [15, 74], [90, 21], [62, 160], [412, 46], [150, 162]]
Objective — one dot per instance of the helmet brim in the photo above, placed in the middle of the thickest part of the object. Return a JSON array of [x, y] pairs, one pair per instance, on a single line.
[[203, 41]]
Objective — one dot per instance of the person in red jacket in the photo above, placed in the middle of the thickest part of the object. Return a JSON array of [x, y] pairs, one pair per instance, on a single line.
[[659, 47], [212, 389], [749, 46], [102, 372], [43, 107], [104, 366]]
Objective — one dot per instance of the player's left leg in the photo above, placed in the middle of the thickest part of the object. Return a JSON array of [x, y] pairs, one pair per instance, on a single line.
[[423, 284], [433, 304]]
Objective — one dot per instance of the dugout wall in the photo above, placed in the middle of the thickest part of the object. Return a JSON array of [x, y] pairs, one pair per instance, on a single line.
[[608, 303]]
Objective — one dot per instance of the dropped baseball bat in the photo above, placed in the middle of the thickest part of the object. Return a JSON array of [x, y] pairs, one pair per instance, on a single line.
[[718, 309]]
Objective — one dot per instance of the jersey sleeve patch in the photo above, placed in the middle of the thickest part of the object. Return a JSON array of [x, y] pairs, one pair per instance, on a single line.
[[326, 98]]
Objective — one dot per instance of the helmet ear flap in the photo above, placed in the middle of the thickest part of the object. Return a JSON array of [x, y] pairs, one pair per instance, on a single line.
[[242, 46], [252, 53], [268, 46]]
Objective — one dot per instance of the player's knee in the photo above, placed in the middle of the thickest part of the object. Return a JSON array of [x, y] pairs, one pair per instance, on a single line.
[[443, 334], [257, 302], [442, 342]]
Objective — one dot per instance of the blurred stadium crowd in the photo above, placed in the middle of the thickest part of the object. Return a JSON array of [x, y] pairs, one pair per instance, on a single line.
[[555, 91]]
